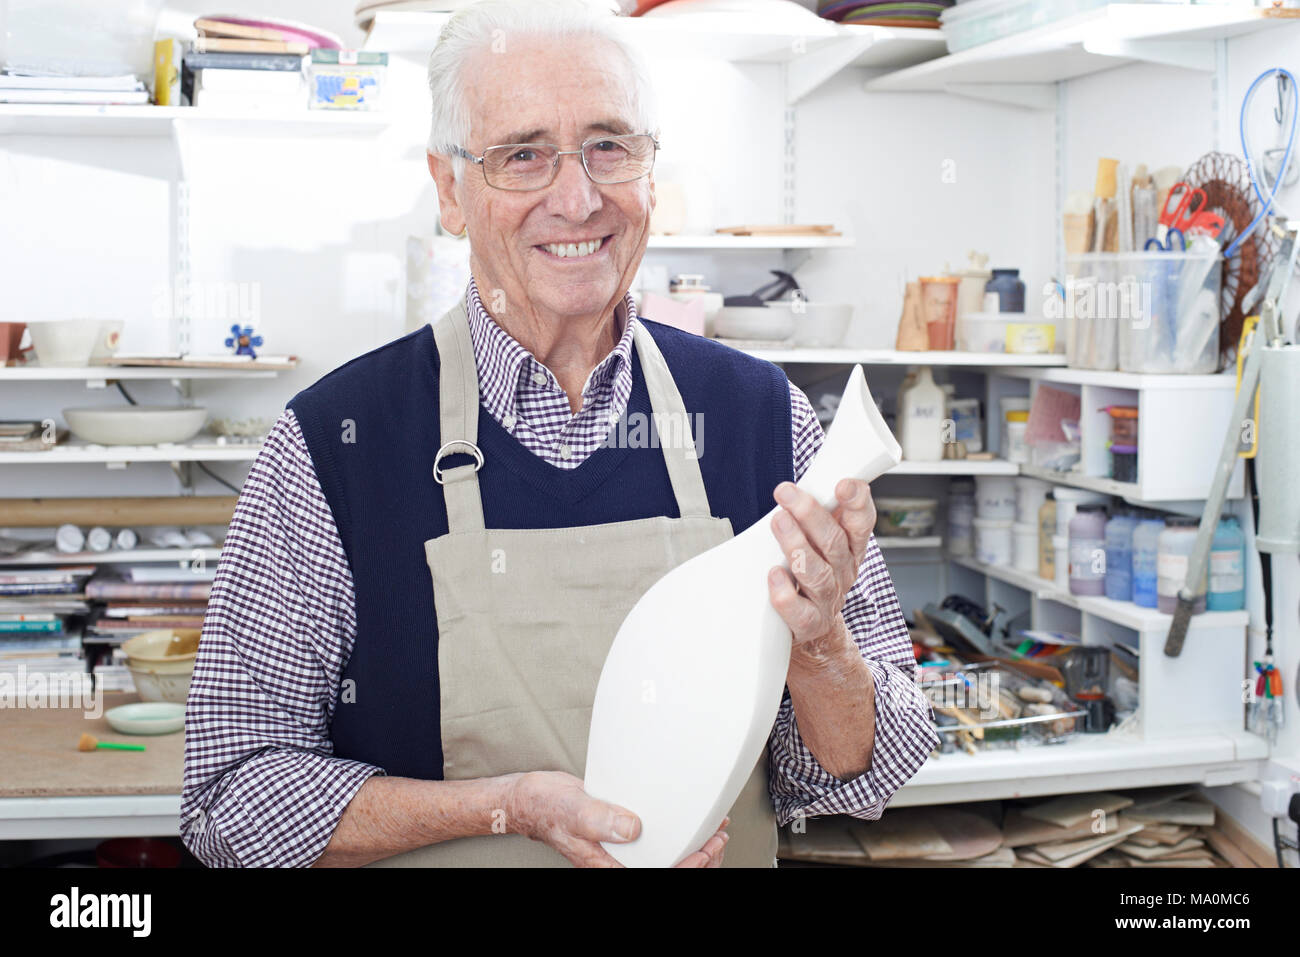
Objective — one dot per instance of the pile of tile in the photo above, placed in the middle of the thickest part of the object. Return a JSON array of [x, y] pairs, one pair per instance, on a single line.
[[1152, 827]]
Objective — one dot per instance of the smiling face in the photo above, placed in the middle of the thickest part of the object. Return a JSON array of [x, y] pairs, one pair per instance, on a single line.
[[569, 250]]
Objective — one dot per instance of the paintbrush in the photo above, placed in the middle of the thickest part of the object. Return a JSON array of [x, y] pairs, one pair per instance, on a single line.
[[89, 742]]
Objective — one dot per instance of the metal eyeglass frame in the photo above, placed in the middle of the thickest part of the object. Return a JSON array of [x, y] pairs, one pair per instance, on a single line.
[[580, 151]]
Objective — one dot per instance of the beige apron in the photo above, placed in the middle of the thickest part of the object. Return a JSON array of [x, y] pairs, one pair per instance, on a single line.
[[526, 618]]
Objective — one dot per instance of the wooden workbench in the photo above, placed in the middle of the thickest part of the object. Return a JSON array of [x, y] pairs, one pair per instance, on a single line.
[[50, 789]]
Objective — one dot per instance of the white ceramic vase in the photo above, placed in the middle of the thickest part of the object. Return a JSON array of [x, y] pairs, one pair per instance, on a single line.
[[692, 683]]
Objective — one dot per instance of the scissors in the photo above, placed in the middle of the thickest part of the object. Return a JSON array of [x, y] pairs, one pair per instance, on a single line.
[[1167, 244], [1185, 211]]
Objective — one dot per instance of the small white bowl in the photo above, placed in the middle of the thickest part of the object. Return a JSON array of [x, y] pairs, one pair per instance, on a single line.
[[136, 425], [755, 322], [65, 342], [146, 717], [822, 325]]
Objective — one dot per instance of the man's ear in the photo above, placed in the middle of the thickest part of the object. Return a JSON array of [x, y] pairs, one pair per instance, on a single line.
[[452, 216]]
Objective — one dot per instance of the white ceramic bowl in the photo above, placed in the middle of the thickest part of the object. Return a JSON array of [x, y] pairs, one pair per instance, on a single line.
[[65, 342], [159, 676], [135, 425], [822, 325], [108, 340], [755, 322], [146, 717]]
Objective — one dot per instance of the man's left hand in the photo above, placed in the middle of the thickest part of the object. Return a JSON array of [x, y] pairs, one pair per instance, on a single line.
[[825, 549]]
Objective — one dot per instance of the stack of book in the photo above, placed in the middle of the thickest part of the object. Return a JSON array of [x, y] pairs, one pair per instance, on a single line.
[[16, 87], [237, 65], [38, 609], [147, 598]]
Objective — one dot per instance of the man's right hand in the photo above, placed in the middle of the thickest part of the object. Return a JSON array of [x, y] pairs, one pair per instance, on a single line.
[[552, 807]]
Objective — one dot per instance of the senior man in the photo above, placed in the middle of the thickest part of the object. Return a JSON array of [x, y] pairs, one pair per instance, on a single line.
[[347, 710]]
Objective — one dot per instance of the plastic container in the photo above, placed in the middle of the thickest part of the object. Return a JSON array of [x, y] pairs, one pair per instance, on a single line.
[[1024, 546], [993, 541], [1149, 312], [905, 517], [80, 38], [939, 307], [968, 425], [1046, 532], [1030, 495], [1227, 591], [981, 21], [1087, 543], [1119, 556], [1014, 446], [995, 497], [1061, 560], [1174, 550], [1068, 499], [961, 513], [1146, 543], [982, 331], [1008, 289], [920, 418], [1124, 463], [1030, 338], [1123, 424]]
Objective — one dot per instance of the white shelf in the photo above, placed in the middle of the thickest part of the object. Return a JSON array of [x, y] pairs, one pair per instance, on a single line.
[[720, 36], [147, 120], [1086, 762], [893, 357], [899, 541], [92, 374], [1022, 67], [78, 452], [1123, 613], [748, 243], [1225, 381], [956, 467], [136, 556], [109, 815]]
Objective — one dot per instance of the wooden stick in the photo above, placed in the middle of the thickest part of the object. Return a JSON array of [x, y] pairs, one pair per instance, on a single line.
[[117, 512]]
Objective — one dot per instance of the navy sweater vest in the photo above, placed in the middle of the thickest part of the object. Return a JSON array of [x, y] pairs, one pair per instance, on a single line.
[[372, 429]]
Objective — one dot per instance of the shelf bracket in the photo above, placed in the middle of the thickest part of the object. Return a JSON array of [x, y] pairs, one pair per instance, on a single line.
[[808, 71], [185, 475], [1188, 54], [1029, 96]]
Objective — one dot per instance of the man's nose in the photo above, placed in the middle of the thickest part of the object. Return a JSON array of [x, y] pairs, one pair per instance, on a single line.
[[573, 193]]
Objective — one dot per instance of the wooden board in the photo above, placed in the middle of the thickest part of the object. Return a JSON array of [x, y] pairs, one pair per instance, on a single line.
[[117, 512], [38, 752], [1178, 812], [1229, 851], [1069, 849], [779, 229], [1019, 831], [900, 835], [1160, 853], [248, 365], [824, 841], [1070, 809]]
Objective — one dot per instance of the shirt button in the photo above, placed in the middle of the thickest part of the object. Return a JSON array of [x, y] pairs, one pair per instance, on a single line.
[[539, 378], [508, 422], [564, 451]]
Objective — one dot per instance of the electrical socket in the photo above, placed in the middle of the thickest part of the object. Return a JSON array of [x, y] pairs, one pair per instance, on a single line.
[[1275, 796]]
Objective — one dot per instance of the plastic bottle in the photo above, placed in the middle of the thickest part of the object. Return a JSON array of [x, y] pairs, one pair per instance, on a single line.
[[1009, 290], [961, 512], [1119, 556], [920, 415], [1227, 590], [1046, 529], [1174, 551], [1088, 550], [1146, 545]]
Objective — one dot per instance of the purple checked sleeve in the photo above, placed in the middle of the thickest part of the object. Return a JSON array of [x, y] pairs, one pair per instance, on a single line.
[[905, 733]]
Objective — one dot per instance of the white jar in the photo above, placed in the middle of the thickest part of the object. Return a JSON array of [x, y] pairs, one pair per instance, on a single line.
[[961, 533], [1025, 546], [995, 497], [1014, 446], [1061, 546], [1031, 493], [993, 542]]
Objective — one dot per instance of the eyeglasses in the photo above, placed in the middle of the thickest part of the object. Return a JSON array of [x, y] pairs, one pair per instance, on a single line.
[[526, 166]]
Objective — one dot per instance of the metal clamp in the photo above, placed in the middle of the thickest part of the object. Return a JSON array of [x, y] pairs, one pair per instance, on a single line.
[[456, 447]]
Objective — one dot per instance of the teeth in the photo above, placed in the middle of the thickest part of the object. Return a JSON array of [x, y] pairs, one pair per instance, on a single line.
[[565, 251]]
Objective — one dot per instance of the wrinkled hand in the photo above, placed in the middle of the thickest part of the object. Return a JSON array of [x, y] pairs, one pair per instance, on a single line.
[[824, 549], [552, 807]]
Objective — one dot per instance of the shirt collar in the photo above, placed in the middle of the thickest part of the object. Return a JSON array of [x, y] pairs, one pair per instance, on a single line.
[[505, 368]]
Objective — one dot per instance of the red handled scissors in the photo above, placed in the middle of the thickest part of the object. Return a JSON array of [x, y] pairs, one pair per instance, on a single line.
[[1185, 211]]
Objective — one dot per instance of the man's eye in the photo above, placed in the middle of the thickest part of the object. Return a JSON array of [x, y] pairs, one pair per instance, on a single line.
[[523, 156], [607, 145]]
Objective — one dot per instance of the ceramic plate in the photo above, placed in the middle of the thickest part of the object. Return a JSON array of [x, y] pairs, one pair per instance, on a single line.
[[146, 717]]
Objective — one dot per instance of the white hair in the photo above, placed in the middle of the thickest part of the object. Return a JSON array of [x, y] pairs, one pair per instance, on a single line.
[[484, 25]]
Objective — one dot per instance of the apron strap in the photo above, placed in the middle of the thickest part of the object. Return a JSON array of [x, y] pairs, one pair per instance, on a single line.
[[458, 419], [683, 462], [458, 399]]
